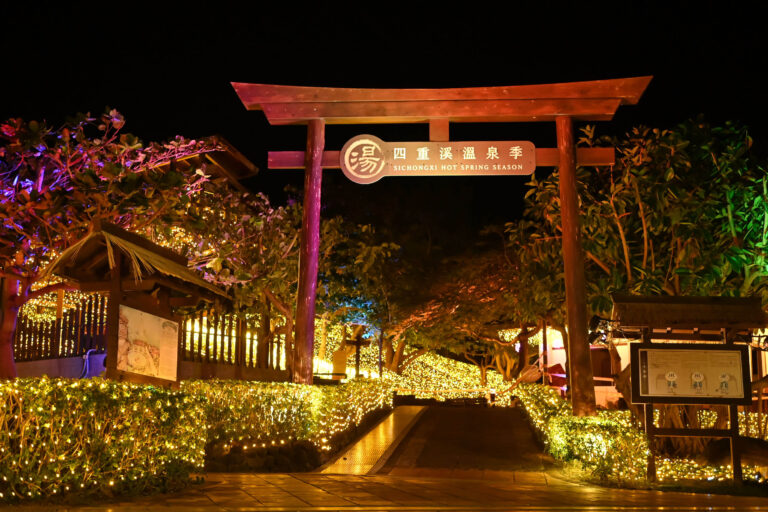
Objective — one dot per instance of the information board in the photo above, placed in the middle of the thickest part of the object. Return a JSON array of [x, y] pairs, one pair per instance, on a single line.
[[682, 373], [147, 344]]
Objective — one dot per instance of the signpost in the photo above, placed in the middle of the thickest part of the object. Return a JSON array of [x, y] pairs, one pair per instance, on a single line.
[[685, 373], [677, 373]]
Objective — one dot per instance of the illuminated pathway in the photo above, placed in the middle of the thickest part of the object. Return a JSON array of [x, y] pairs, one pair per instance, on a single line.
[[362, 457]]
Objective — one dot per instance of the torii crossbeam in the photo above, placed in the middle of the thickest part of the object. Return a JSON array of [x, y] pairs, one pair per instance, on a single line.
[[562, 103]]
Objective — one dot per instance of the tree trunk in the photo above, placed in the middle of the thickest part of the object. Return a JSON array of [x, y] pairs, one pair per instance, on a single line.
[[265, 335], [389, 351], [9, 309], [323, 336], [398, 356], [522, 359]]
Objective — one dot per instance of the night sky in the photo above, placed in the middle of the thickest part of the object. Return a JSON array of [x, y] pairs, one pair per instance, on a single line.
[[167, 68]]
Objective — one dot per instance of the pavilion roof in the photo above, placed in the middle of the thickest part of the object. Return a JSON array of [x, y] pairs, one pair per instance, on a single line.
[[226, 162], [700, 313], [88, 264]]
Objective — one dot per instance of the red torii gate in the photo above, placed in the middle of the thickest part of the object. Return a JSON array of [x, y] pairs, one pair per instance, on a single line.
[[562, 103]]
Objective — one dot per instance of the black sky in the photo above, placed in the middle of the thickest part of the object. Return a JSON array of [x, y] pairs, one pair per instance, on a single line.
[[167, 66]]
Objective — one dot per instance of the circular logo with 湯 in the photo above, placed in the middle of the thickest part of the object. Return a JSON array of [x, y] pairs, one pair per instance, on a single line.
[[363, 159]]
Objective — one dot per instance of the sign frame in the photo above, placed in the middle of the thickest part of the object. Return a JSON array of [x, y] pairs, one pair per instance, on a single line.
[[745, 376], [125, 376]]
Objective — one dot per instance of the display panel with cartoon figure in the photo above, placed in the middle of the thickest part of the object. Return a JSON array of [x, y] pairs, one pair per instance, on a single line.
[[690, 373], [147, 344]]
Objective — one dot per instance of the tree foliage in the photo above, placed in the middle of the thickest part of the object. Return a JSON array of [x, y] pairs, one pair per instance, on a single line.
[[683, 212], [55, 182]]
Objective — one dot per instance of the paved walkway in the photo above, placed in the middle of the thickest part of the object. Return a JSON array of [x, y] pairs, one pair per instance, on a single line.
[[466, 441], [452, 459], [320, 492]]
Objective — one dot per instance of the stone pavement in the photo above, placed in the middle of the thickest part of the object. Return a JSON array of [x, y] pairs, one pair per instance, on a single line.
[[516, 491]]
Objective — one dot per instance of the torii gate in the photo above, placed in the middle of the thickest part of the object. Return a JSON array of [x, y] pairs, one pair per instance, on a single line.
[[562, 103]]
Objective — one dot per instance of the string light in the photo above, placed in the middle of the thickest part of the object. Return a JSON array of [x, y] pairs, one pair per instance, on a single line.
[[611, 445]]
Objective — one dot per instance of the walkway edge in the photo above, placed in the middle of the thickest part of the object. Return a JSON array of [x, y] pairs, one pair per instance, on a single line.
[[395, 443]]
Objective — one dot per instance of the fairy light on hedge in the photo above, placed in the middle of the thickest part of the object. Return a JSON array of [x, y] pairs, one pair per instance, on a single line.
[[609, 445]]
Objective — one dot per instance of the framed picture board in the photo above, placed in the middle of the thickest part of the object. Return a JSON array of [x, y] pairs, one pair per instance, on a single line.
[[687, 373], [147, 347]]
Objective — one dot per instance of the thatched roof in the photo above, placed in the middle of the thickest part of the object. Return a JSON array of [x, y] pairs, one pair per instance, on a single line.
[[89, 262]]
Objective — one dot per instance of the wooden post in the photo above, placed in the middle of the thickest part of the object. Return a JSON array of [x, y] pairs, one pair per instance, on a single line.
[[580, 371], [649, 432], [357, 358], [113, 316], [733, 413], [381, 344], [544, 354], [309, 254], [733, 417]]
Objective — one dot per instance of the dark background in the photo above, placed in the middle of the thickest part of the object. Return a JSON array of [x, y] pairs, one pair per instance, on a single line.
[[167, 68]]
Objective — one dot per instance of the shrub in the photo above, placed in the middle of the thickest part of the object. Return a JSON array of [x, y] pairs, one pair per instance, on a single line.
[[608, 445], [60, 435]]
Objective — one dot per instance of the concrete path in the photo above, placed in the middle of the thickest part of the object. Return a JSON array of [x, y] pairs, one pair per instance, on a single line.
[[467, 442]]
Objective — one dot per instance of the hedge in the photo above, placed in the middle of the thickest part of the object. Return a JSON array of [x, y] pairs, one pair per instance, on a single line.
[[608, 445], [61, 436]]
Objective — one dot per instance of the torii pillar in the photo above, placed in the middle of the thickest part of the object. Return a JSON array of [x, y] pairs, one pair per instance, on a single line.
[[560, 103]]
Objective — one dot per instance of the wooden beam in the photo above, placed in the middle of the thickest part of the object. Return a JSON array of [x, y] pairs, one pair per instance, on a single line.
[[545, 157], [222, 169], [579, 359], [628, 90], [439, 130], [178, 302], [458, 111]]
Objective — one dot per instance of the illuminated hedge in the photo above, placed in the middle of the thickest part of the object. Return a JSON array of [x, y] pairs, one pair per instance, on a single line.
[[58, 436], [61, 436], [337, 408], [260, 414], [607, 445], [256, 412]]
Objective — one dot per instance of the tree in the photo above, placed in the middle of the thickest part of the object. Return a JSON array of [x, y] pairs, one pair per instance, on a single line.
[[55, 183], [471, 313], [683, 212]]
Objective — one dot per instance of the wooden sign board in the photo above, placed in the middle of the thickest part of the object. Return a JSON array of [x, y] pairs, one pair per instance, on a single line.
[[683, 373], [147, 347], [366, 159]]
